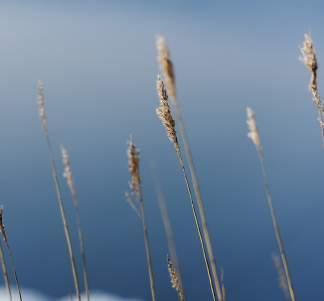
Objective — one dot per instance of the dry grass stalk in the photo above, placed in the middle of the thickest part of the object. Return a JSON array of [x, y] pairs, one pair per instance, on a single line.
[[136, 200], [167, 69], [281, 276], [169, 237], [5, 272], [175, 280], [308, 57], [13, 266], [59, 198], [68, 175], [255, 137], [168, 122]]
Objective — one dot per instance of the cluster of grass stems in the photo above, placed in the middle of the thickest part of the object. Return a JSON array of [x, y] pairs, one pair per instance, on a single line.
[[166, 90]]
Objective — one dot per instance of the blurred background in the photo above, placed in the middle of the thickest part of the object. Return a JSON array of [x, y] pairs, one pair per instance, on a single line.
[[98, 63]]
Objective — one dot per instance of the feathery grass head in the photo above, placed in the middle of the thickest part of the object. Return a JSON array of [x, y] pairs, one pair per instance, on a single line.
[[68, 175], [133, 167], [308, 53], [175, 281], [308, 57], [41, 105], [166, 65], [253, 133], [165, 115]]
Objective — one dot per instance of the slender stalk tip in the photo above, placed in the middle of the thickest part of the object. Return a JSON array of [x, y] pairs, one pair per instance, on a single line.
[[166, 65]]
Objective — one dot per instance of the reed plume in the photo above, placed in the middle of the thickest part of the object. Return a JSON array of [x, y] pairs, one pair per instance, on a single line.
[[68, 175], [136, 200], [13, 266], [167, 69], [166, 64], [164, 114], [57, 187], [309, 58], [175, 280], [253, 134]]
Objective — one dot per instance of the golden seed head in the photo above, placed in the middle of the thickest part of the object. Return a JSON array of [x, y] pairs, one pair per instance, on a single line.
[[166, 66], [133, 167], [175, 282], [308, 53], [165, 115], [41, 105], [253, 133]]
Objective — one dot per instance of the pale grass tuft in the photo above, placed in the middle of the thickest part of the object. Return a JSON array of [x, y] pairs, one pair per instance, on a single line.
[[308, 53], [67, 174], [41, 105], [165, 115], [281, 275], [166, 65], [253, 133], [175, 281], [309, 58]]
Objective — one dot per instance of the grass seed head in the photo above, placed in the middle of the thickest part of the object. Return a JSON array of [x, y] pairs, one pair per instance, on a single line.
[[165, 115], [133, 167]]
